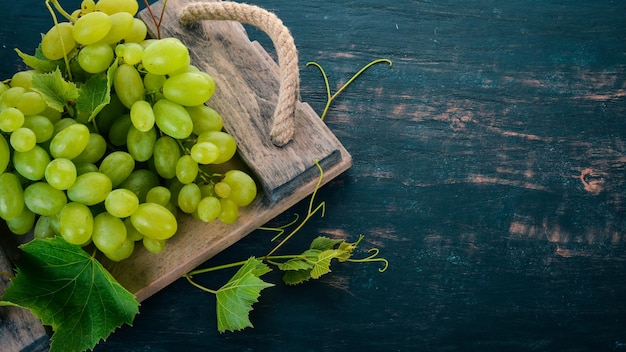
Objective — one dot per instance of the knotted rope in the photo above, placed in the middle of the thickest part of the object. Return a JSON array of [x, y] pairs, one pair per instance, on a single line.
[[288, 94]]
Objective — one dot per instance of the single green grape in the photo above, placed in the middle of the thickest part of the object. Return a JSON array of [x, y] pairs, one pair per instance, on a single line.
[[11, 119], [118, 133], [124, 251], [96, 57], [94, 151], [76, 223], [229, 212], [189, 88], [90, 188], [204, 119], [159, 195], [133, 53], [209, 209], [109, 232], [10, 96], [83, 168], [186, 169], [141, 144], [242, 186], [22, 79], [138, 32], [142, 116], [153, 246], [114, 6], [61, 173], [140, 181], [31, 164], [5, 154], [154, 83], [154, 221], [165, 157], [166, 56], [131, 232], [23, 223], [222, 189], [31, 103], [121, 27], [43, 228], [43, 199], [91, 27], [23, 139], [58, 42], [121, 203], [205, 153], [87, 6], [70, 141], [41, 125], [11, 196], [172, 119], [225, 143], [189, 197], [117, 166], [128, 85]]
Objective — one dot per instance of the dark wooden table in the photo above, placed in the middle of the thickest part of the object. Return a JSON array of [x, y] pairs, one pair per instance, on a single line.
[[489, 168]]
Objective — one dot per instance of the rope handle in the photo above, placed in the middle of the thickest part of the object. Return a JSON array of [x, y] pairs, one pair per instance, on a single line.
[[288, 94]]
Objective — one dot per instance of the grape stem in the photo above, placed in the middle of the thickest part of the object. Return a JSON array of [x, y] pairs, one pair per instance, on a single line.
[[157, 23], [332, 97]]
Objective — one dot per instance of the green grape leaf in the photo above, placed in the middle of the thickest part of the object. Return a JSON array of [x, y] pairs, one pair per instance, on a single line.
[[69, 290], [323, 243], [94, 95], [56, 91], [235, 298], [295, 277], [39, 62], [321, 265]]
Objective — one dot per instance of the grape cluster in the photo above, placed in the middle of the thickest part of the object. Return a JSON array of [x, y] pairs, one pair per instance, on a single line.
[[122, 176]]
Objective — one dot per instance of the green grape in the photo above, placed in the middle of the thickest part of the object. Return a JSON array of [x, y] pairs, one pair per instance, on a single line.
[[91, 28], [94, 151], [117, 166], [225, 143], [87, 6], [138, 32], [22, 79], [172, 119], [41, 125], [10, 96], [11, 119], [229, 212], [22, 224], [83, 168], [31, 164], [186, 169], [128, 85], [53, 115], [5, 154], [61, 173], [189, 197], [140, 182], [205, 153], [43, 228], [62, 124], [109, 114], [124, 251], [153, 83], [166, 56], [133, 53], [222, 189], [109, 232], [121, 27], [23, 139], [166, 155], [31, 103], [159, 195], [121, 203], [142, 116], [76, 223], [243, 188], [95, 58], [43, 199], [207, 189], [90, 188], [70, 142], [131, 232], [204, 119], [114, 6], [58, 41], [119, 130], [153, 246], [189, 88], [154, 221], [11, 196], [141, 144], [209, 209]]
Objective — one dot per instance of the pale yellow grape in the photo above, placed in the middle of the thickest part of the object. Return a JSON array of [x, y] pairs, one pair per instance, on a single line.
[[209, 209], [94, 151], [166, 155], [5, 154], [141, 144], [22, 79], [154, 221], [205, 153], [22, 224], [58, 41], [91, 28], [121, 203], [23, 139], [75, 223], [124, 251], [189, 197], [11, 119], [41, 125], [166, 56], [95, 58], [131, 232], [121, 27], [225, 143], [43, 199], [32, 163], [222, 189], [142, 116], [204, 119], [132, 53], [172, 119], [186, 169], [153, 246], [90, 188], [31, 103], [138, 32], [243, 189], [61, 173], [189, 88], [88, 6], [117, 166], [229, 212], [159, 195], [113, 6], [128, 85], [10, 96], [109, 232], [70, 141]]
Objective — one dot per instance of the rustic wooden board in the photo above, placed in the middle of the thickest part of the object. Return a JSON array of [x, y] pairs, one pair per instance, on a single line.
[[19, 329], [247, 90]]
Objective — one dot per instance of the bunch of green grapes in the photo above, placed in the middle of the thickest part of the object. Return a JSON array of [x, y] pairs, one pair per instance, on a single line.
[[123, 176]]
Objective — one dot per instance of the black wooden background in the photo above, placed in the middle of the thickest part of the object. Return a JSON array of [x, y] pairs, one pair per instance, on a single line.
[[489, 168]]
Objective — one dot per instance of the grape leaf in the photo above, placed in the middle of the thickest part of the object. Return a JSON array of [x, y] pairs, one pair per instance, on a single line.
[[95, 94], [39, 62], [56, 91], [235, 298], [324, 243], [70, 291]]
